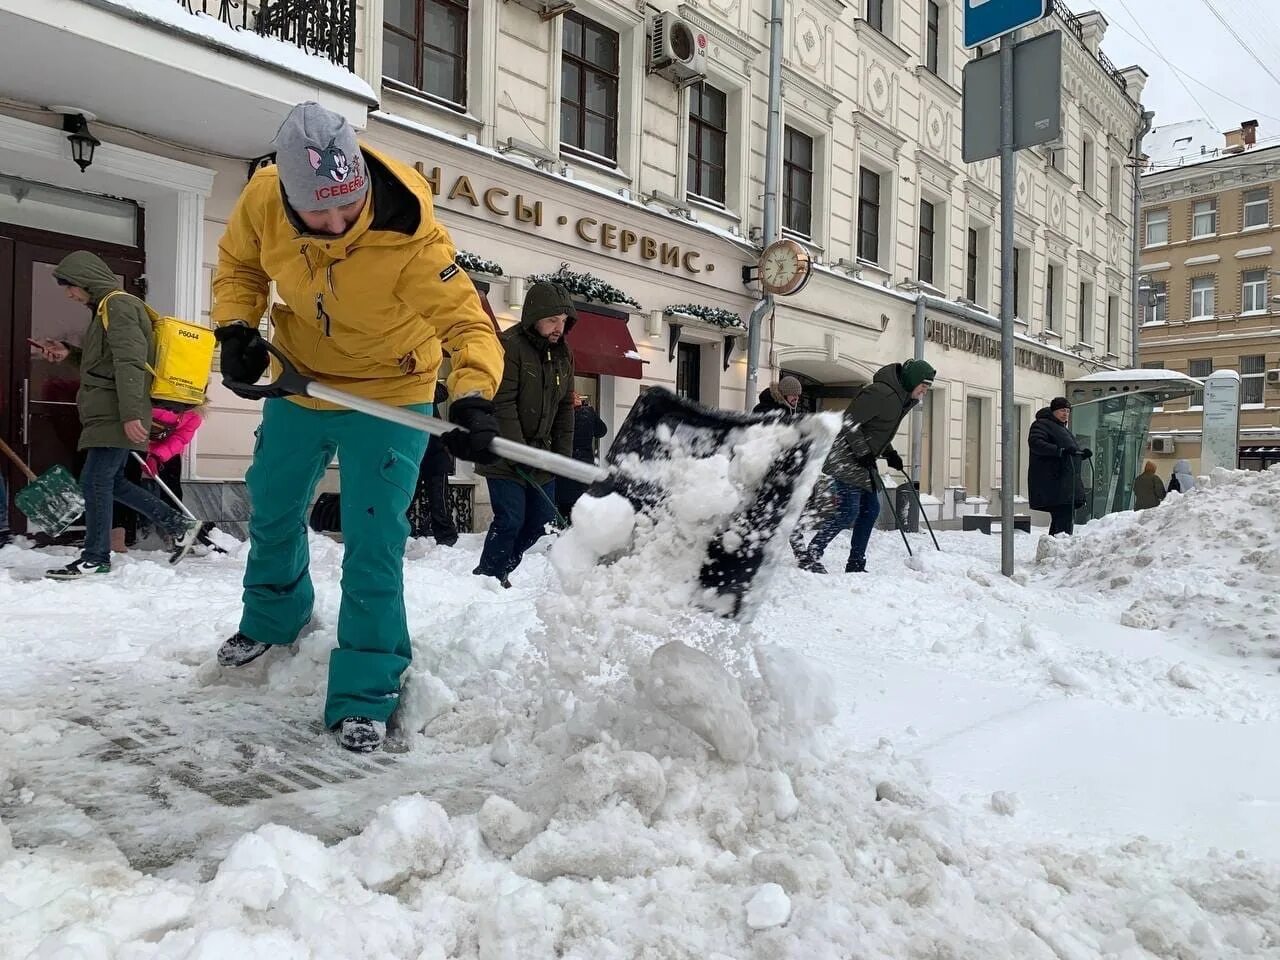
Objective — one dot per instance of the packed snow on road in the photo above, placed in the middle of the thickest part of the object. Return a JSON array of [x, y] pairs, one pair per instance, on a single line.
[[927, 760]]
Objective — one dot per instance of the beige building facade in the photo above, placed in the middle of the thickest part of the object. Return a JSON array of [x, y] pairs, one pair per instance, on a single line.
[[1210, 256], [552, 137]]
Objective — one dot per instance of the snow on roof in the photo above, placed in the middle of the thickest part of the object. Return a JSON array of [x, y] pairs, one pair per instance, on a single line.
[[269, 50], [1176, 143], [1112, 376]]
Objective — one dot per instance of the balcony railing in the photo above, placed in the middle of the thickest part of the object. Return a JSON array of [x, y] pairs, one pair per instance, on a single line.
[[1076, 27], [326, 28]]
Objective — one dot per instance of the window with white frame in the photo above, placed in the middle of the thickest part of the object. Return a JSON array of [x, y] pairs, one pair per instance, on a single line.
[[1204, 219], [927, 242], [708, 142], [1253, 370], [1156, 307], [1113, 189], [590, 71], [1204, 295], [868, 215], [878, 12], [1085, 313], [424, 47], [1113, 325], [1157, 227], [797, 182], [1052, 296], [977, 270], [932, 36], [1087, 158], [1198, 369], [1253, 292], [1257, 208], [1021, 282]]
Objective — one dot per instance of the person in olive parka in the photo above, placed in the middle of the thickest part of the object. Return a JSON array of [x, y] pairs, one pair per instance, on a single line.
[[1053, 466], [114, 401], [534, 406], [870, 423]]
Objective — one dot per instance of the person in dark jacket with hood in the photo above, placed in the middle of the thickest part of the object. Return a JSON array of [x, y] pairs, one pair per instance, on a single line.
[[1053, 466], [870, 423], [587, 429], [433, 487], [534, 406], [114, 401], [1148, 488], [783, 395]]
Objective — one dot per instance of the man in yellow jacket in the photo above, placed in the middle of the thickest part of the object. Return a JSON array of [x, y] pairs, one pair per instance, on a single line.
[[371, 297]]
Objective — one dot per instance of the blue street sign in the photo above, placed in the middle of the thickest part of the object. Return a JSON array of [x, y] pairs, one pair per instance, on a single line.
[[984, 20]]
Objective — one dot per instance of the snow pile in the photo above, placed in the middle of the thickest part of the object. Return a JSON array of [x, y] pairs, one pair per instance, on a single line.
[[1201, 566]]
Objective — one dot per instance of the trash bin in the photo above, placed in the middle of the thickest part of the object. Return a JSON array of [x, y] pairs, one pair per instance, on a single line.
[[907, 505]]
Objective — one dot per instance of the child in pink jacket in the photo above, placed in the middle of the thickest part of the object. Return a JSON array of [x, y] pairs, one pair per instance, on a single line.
[[172, 428]]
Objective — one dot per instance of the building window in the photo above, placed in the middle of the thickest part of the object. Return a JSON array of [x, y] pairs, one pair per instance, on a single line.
[[1257, 208], [1204, 219], [1156, 307], [1253, 295], [875, 13], [933, 15], [424, 46], [1086, 313], [1113, 189], [1086, 165], [1252, 377], [1021, 414], [689, 371], [1052, 287], [1021, 261], [1199, 369], [589, 88], [971, 267], [1055, 157], [1113, 326], [1157, 227], [924, 258], [868, 215], [1204, 292], [973, 446], [708, 140], [797, 182]]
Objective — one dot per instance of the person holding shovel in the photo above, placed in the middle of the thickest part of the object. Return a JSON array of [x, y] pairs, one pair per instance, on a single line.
[[370, 297], [114, 401]]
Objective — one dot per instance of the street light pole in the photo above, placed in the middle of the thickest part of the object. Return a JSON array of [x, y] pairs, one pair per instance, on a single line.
[[1008, 196]]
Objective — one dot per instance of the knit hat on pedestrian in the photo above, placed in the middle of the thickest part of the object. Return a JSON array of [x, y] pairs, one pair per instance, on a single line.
[[546, 300], [1059, 403], [318, 159], [789, 387], [916, 372]]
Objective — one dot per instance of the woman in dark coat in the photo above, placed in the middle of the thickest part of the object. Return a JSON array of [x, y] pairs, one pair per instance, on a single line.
[[1053, 466], [588, 428]]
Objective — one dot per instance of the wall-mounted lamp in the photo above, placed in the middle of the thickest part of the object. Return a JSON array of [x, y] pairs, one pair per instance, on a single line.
[[75, 123], [653, 324], [515, 294]]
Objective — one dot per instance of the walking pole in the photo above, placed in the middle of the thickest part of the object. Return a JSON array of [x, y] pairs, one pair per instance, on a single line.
[[161, 484], [893, 508], [920, 507]]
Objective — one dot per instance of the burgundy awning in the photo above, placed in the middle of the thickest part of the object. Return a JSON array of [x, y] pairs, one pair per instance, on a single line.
[[603, 346]]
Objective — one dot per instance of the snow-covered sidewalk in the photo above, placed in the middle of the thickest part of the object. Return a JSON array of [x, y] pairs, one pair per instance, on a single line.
[[938, 762]]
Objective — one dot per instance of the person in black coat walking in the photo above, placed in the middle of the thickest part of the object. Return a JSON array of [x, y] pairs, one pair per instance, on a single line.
[[1053, 466], [433, 488], [587, 429]]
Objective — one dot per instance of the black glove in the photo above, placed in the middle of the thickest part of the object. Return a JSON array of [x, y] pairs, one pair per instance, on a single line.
[[894, 460], [244, 353], [868, 463], [479, 429], [1086, 453]]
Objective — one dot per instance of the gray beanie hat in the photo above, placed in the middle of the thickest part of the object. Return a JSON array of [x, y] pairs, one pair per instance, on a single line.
[[789, 386], [319, 160]]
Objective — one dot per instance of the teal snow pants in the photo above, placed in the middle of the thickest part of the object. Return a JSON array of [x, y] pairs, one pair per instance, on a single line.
[[378, 470]]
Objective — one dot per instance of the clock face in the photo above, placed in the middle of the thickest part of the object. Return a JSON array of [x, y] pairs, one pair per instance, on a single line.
[[784, 267]]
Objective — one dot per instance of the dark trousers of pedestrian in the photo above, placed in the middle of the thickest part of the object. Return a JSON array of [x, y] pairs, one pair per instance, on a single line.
[[433, 492], [567, 494], [521, 513], [853, 505], [103, 482], [1062, 519]]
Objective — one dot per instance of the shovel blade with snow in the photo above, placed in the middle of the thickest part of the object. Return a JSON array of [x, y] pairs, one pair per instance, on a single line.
[[663, 436], [52, 501]]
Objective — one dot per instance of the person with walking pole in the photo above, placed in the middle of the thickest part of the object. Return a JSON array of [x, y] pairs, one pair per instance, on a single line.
[[370, 298], [870, 423], [1053, 466]]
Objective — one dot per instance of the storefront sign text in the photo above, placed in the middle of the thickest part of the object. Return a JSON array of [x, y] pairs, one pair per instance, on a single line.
[[953, 335], [500, 202]]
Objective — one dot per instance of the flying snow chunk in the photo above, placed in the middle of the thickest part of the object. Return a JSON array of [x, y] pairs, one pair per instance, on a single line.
[[694, 690], [769, 907]]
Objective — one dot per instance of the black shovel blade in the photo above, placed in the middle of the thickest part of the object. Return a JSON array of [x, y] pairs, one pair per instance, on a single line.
[[774, 458]]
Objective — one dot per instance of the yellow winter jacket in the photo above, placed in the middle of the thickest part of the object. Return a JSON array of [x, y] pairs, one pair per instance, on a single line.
[[367, 312]]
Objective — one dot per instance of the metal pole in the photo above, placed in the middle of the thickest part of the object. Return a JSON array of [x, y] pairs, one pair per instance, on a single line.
[[1008, 175], [1144, 127], [772, 176], [917, 415]]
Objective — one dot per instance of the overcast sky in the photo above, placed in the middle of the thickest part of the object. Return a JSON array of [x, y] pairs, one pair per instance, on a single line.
[[1194, 42]]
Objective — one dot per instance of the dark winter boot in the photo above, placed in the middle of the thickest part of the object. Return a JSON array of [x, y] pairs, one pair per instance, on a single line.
[[811, 563], [184, 538], [856, 566], [239, 650], [78, 570], [362, 734], [6, 538]]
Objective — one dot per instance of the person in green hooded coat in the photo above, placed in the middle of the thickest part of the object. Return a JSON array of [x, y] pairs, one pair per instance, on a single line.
[[114, 402]]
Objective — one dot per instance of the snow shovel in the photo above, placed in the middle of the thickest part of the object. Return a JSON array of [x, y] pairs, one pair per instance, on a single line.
[[52, 501], [736, 554]]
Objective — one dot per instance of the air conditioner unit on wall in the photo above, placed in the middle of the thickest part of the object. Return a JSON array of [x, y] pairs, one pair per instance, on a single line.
[[1162, 444], [1273, 377], [677, 51]]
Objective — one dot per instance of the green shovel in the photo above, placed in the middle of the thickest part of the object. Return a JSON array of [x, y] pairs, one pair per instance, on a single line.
[[51, 501]]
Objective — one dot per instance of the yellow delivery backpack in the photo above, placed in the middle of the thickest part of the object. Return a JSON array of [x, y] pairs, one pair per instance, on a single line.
[[184, 355]]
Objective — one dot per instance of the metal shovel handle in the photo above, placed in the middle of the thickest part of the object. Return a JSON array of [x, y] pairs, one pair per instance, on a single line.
[[290, 381]]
